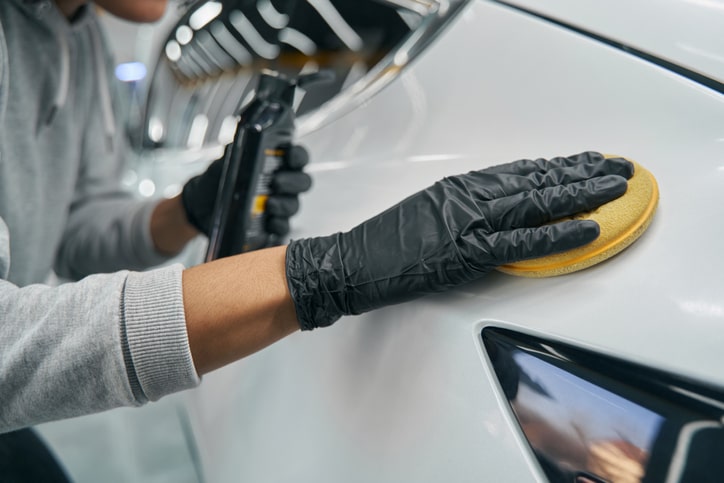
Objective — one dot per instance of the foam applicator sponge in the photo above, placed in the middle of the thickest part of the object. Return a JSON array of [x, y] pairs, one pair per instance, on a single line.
[[622, 222]]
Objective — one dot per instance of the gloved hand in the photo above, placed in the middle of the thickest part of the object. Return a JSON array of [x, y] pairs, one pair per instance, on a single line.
[[451, 233], [199, 193]]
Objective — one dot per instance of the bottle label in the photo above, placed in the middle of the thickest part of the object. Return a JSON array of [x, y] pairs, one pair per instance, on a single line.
[[256, 234]]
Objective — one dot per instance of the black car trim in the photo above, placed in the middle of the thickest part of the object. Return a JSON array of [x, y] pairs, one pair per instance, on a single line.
[[670, 66]]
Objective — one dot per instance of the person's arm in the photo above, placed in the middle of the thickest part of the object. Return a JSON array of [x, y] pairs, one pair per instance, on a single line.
[[441, 237], [236, 306], [170, 228], [130, 337], [106, 341]]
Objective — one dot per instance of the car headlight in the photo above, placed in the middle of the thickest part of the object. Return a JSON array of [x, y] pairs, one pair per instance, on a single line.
[[590, 417]]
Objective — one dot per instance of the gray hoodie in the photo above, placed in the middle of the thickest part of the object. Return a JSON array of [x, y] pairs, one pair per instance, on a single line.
[[116, 338]]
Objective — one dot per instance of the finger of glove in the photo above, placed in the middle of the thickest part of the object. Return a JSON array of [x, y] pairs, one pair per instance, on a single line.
[[535, 207], [290, 182], [284, 206], [526, 243], [296, 158], [540, 165], [486, 186], [277, 225]]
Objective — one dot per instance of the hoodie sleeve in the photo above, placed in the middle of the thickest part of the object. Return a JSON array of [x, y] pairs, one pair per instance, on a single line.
[[107, 229], [104, 342]]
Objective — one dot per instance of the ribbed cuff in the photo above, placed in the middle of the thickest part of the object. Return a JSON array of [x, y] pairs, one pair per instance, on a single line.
[[155, 330]]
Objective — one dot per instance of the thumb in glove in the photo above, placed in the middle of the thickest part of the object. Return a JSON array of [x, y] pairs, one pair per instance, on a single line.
[[451, 233]]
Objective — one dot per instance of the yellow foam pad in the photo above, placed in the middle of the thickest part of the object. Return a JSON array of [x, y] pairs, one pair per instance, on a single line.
[[622, 222]]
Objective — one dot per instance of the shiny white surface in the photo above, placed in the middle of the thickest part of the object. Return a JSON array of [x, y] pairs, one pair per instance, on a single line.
[[403, 394], [689, 33]]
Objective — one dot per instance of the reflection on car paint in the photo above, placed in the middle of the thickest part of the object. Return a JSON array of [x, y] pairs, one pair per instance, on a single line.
[[592, 418], [215, 53]]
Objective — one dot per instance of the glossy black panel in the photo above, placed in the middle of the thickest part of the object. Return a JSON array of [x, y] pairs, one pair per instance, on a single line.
[[591, 418]]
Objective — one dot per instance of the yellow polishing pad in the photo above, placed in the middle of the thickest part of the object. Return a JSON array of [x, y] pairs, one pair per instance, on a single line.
[[622, 222]]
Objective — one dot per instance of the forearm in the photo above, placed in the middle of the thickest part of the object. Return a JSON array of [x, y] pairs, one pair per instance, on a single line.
[[236, 306], [170, 229]]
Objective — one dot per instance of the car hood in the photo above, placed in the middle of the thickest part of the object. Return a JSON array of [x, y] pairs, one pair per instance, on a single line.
[[552, 92]]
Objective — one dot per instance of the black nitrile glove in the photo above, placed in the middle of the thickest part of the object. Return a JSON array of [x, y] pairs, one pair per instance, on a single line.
[[451, 233], [199, 193]]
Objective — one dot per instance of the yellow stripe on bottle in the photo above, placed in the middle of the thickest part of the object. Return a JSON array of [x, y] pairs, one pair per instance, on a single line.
[[259, 205]]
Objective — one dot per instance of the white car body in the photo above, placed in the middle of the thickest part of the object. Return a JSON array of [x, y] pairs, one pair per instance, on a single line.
[[406, 393]]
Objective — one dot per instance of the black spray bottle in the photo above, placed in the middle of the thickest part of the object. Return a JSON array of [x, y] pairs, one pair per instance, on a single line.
[[264, 135]]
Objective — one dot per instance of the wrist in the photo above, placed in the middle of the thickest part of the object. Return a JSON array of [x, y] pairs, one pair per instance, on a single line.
[[170, 227]]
